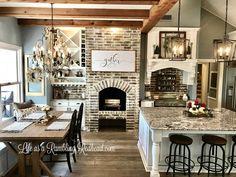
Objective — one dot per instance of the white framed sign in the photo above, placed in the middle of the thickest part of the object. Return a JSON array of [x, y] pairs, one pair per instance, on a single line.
[[113, 60]]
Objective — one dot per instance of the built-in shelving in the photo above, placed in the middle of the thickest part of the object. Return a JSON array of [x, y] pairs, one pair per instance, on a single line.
[[75, 72], [166, 80], [68, 83]]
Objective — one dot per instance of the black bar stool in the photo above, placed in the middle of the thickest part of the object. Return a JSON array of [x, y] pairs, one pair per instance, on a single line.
[[179, 161], [210, 161], [231, 159]]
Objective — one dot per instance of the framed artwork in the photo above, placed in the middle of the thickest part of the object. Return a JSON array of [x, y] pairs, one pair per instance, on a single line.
[[112, 60], [34, 78], [164, 42]]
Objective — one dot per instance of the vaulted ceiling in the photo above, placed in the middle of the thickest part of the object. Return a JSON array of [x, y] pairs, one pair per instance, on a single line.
[[217, 8], [143, 14]]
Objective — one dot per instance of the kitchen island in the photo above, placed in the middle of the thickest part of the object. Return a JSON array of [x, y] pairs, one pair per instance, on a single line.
[[156, 123]]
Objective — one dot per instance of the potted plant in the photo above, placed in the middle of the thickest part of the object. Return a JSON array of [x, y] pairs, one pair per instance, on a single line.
[[189, 51], [157, 51]]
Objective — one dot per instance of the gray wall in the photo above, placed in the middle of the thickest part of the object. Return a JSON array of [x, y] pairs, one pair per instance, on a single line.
[[212, 28], [30, 35], [190, 14], [10, 31], [143, 66]]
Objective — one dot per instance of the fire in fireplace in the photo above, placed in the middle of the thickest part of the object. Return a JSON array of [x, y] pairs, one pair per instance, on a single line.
[[112, 99]]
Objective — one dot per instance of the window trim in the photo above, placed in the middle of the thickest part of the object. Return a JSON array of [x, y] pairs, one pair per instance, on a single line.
[[19, 62]]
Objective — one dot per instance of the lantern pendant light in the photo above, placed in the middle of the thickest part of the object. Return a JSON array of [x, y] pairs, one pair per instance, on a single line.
[[224, 49], [178, 44]]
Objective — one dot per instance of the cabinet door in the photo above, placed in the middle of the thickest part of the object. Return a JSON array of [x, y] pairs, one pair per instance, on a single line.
[[72, 108], [57, 103], [60, 108], [74, 103]]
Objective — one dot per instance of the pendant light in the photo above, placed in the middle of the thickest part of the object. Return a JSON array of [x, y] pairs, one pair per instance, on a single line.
[[179, 45], [224, 49]]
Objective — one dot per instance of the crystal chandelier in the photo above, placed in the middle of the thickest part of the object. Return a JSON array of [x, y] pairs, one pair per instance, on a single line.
[[57, 54], [179, 45], [224, 49]]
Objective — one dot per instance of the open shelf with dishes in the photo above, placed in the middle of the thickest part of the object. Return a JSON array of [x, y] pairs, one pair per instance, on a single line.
[[72, 76]]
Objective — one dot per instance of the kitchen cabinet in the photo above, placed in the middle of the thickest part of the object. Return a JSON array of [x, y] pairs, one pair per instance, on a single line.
[[156, 124], [66, 105]]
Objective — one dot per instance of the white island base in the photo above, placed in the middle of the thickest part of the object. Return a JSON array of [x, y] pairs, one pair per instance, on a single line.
[[154, 133]]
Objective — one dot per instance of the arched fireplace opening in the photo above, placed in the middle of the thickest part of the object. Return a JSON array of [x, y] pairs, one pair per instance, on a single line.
[[112, 99]]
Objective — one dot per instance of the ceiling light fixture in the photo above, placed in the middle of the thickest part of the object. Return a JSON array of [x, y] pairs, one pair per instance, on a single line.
[[224, 49], [179, 45], [57, 54]]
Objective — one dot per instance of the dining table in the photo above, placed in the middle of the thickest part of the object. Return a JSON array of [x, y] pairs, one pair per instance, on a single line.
[[29, 141]]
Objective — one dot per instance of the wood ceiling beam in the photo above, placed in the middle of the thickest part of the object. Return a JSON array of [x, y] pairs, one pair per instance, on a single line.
[[156, 13], [45, 13], [82, 23], [141, 2]]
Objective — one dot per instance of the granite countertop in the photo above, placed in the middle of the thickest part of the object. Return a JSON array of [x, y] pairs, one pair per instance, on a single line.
[[172, 118]]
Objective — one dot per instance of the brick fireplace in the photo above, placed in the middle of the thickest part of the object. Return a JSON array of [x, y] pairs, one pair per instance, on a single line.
[[122, 82]]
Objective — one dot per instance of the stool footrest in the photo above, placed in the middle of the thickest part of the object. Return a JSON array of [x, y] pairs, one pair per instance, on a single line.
[[215, 163], [234, 161], [180, 164]]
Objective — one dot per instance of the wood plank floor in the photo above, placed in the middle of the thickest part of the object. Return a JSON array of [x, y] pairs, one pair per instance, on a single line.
[[116, 155]]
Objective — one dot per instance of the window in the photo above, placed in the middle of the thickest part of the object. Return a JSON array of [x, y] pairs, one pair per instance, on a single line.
[[10, 78], [8, 66], [213, 80], [213, 84]]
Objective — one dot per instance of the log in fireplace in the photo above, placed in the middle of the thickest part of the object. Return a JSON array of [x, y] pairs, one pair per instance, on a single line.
[[112, 99]]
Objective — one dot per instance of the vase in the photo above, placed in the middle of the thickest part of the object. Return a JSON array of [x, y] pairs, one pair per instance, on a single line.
[[185, 97], [47, 114], [156, 56]]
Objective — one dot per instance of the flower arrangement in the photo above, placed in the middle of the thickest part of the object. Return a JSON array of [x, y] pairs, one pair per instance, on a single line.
[[198, 109], [46, 109]]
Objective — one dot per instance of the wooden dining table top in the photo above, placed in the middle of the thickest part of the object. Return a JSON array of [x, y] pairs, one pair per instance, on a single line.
[[33, 132]]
